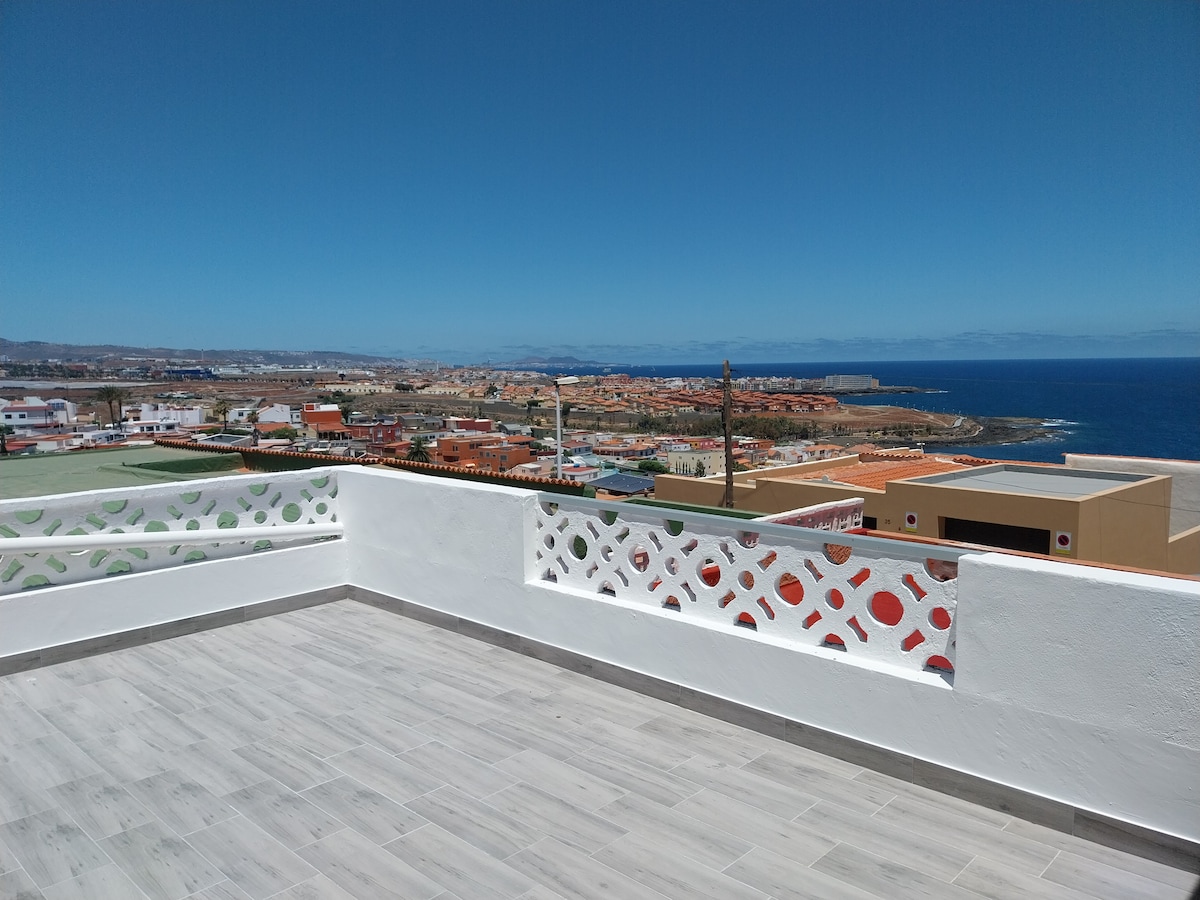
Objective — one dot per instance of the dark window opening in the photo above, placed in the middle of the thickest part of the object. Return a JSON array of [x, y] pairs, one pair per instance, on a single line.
[[992, 534], [870, 522]]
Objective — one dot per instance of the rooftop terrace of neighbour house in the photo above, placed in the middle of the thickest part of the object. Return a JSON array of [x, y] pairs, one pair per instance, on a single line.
[[1040, 481], [362, 682]]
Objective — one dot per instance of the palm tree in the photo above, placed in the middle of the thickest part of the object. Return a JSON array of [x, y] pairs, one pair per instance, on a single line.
[[418, 452], [252, 417], [221, 409], [111, 394]]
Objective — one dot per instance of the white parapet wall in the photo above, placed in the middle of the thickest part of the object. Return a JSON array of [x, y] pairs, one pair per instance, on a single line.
[[1073, 683], [79, 567]]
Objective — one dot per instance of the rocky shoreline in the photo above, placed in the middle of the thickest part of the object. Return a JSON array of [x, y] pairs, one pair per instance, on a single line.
[[996, 430]]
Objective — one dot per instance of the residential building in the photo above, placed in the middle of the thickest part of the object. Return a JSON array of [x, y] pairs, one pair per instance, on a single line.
[[1116, 518]]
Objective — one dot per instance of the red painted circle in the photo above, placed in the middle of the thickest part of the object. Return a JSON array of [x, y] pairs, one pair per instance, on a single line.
[[887, 608], [940, 618], [1064, 540]]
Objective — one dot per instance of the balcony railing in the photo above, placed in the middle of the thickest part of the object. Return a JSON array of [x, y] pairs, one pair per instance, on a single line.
[[870, 598], [72, 538]]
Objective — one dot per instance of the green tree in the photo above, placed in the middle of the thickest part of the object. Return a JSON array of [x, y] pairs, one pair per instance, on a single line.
[[114, 397], [5, 431], [566, 412], [652, 465], [347, 408], [700, 470], [287, 432], [221, 411], [252, 418], [418, 451]]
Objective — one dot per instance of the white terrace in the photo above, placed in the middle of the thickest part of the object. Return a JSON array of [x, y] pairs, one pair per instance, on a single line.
[[193, 704]]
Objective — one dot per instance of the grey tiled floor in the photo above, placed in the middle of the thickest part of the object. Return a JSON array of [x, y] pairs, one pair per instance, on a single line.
[[344, 752]]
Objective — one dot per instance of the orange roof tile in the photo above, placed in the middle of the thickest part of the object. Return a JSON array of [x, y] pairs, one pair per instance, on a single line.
[[876, 474]]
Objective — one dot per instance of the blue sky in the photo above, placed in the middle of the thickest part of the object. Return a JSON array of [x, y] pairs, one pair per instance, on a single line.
[[627, 182]]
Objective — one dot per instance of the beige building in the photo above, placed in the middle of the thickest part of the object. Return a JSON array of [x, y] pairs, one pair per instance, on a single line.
[[1119, 518]]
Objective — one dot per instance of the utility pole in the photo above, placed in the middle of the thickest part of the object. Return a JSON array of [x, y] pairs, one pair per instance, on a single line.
[[727, 421]]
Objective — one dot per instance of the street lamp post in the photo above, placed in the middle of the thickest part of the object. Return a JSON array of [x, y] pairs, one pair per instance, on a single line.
[[558, 383]]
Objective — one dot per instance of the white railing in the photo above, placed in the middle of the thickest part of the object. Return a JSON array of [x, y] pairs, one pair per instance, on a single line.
[[67, 539], [873, 599]]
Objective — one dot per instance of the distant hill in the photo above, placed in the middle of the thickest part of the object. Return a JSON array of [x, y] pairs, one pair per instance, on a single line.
[[34, 351]]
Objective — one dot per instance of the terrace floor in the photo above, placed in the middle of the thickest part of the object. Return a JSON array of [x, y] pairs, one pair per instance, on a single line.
[[342, 751]]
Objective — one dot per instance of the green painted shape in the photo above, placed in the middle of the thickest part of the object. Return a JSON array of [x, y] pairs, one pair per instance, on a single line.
[[333, 493], [175, 513], [8, 532], [28, 516], [322, 508], [56, 564], [189, 496], [609, 516], [291, 512], [278, 496], [97, 558], [175, 549], [244, 503], [135, 517], [320, 482], [52, 527], [119, 567], [262, 545], [95, 521], [258, 489], [260, 517], [76, 531], [11, 572], [117, 531], [195, 556], [114, 506], [156, 525], [192, 525], [333, 518], [34, 581], [209, 507], [227, 520], [306, 495], [139, 553]]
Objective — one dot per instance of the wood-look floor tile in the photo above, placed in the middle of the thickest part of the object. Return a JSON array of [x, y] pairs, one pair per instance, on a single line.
[[634, 778], [900, 845], [788, 838], [677, 876], [712, 846], [468, 774], [555, 817], [17, 885], [366, 871], [161, 863], [576, 875], [786, 879], [886, 878], [250, 858], [51, 847], [1108, 882], [458, 866], [475, 822], [370, 813], [387, 774], [561, 779], [283, 814], [288, 764], [180, 801], [100, 806]]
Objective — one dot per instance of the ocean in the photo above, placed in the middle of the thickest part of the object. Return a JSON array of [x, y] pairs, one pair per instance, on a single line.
[[1126, 407]]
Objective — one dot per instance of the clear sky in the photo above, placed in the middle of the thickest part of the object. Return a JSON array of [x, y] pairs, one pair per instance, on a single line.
[[631, 182]]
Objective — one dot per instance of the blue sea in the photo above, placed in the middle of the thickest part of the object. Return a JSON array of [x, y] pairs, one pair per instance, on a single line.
[[1126, 407]]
